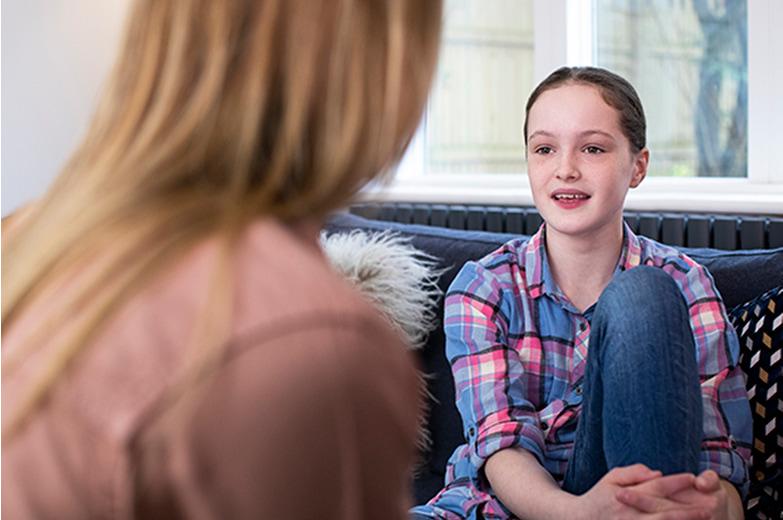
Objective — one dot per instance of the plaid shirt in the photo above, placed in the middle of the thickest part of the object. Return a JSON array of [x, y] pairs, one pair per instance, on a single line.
[[518, 349]]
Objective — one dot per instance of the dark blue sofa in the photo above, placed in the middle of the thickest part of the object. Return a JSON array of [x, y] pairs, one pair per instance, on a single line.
[[740, 277]]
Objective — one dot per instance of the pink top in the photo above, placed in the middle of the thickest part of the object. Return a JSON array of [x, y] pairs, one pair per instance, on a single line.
[[311, 413]]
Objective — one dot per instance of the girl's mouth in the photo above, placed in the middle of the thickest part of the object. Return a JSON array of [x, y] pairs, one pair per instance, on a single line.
[[570, 199]]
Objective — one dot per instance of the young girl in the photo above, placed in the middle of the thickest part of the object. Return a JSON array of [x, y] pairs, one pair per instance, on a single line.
[[617, 429], [175, 344]]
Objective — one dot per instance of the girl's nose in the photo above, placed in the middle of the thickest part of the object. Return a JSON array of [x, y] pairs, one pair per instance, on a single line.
[[567, 169]]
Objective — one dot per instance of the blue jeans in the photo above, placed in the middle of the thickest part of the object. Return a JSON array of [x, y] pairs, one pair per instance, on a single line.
[[641, 394]]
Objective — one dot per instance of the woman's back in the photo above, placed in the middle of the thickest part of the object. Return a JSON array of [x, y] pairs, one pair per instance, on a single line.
[[310, 398]]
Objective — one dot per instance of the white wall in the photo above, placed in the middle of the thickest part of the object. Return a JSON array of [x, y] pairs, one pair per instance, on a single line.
[[55, 55]]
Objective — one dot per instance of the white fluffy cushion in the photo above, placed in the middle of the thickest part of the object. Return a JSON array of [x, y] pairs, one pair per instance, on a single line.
[[398, 279]]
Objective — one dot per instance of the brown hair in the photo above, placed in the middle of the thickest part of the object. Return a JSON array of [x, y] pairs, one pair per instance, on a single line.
[[615, 91], [216, 113]]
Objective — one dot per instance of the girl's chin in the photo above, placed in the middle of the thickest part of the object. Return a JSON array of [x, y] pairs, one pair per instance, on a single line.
[[574, 219], [579, 226], [574, 230]]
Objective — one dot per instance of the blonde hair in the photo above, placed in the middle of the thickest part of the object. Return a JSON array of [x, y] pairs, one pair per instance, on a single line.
[[217, 112]]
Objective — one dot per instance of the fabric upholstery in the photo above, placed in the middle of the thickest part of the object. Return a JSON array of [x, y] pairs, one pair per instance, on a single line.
[[759, 324]]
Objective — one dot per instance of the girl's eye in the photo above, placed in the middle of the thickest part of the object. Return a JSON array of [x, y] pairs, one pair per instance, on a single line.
[[593, 150], [543, 150]]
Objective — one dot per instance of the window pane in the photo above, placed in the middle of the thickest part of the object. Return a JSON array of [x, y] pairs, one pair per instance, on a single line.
[[485, 72], [688, 61]]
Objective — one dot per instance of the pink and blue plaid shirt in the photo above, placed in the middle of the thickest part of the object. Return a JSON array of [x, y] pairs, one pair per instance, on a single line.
[[518, 349]]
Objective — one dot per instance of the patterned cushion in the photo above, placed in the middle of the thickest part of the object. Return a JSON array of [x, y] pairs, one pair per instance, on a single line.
[[759, 324]]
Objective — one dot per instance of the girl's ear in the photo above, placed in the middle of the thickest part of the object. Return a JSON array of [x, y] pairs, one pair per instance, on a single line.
[[641, 161]]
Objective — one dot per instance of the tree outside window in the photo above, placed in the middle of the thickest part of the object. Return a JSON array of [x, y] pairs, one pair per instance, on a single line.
[[688, 60]]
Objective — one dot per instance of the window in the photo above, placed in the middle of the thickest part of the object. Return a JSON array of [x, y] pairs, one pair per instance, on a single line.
[[706, 71], [485, 72], [688, 61]]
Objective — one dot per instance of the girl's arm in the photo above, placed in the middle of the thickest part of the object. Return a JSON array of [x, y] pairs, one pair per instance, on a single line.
[[727, 423], [539, 497], [489, 375], [735, 509], [528, 491]]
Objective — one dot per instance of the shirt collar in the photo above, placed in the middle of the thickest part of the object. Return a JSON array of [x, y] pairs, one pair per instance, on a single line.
[[536, 263], [631, 254], [538, 275]]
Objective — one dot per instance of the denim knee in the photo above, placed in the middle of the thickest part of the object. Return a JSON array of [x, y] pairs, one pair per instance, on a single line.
[[641, 293], [640, 287], [640, 304]]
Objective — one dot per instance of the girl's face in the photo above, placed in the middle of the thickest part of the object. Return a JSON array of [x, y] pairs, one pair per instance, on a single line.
[[580, 163]]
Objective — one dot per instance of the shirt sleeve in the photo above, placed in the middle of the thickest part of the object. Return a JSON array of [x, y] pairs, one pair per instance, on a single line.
[[486, 370], [727, 419]]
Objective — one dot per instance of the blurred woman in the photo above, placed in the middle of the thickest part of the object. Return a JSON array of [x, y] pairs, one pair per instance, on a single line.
[[174, 344]]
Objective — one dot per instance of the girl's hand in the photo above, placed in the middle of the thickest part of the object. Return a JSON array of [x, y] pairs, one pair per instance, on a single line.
[[710, 495], [602, 500], [705, 495]]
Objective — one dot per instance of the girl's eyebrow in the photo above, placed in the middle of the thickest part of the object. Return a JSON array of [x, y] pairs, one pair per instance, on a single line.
[[541, 133], [544, 133], [599, 132]]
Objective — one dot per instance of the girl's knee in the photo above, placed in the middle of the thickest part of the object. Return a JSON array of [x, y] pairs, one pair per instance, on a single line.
[[640, 306], [642, 293], [642, 285]]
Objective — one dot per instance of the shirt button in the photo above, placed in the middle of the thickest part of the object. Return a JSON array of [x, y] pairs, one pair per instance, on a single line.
[[544, 426], [578, 390], [471, 432], [582, 327]]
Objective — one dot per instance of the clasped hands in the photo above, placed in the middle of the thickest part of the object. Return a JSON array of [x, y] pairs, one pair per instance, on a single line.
[[639, 492]]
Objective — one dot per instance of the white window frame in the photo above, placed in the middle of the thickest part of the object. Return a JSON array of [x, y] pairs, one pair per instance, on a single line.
[[564, 35]]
